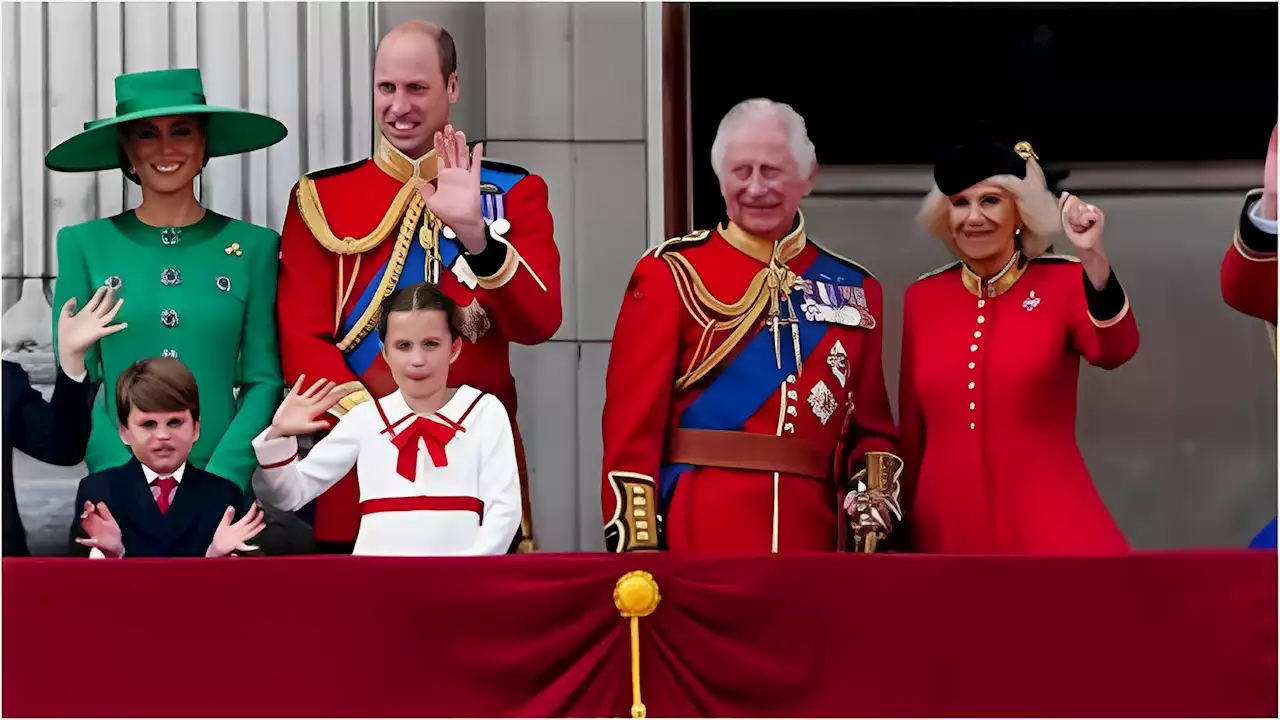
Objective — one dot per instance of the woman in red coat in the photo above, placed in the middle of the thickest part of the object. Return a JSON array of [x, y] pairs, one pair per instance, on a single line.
[[991, 352]]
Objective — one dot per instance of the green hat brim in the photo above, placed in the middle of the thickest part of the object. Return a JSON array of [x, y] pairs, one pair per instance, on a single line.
[[227, 132]]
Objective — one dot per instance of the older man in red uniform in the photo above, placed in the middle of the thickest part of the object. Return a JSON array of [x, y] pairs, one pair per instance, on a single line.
[[745, 381], [423, 208]]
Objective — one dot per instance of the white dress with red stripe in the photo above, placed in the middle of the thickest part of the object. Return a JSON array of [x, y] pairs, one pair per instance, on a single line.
[[444, 484]]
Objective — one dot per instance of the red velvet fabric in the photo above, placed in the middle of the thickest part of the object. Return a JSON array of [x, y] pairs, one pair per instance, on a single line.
[[1165, 634]]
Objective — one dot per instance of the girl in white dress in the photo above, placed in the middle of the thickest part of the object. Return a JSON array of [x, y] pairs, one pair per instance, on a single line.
[[437, 465]]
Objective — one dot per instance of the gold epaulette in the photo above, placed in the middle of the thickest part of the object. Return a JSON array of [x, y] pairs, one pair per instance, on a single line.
[[938, 271], [313, 215], [696, 236]]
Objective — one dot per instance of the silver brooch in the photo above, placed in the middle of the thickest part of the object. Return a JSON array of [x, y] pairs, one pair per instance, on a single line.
[[170, 276], [169, 318], [113, 283], [1031, 302], [170, 354], [171, 236], [223, 282]]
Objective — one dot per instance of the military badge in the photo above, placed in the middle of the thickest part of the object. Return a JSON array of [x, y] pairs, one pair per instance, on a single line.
[[473, 321], [837, 304], [822, 402], [1031, 302], [838, 360]]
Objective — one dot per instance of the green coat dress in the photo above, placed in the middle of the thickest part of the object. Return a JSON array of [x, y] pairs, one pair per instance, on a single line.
[[205, 295]]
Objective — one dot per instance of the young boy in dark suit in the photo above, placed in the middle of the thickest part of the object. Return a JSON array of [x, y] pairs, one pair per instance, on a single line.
[[158, 504]]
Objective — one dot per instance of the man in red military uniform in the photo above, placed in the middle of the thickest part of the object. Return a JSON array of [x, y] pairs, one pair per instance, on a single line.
[[422, 208], [745, 380]]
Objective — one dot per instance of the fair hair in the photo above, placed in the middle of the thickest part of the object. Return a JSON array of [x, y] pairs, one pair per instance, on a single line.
[[797, 135], [1037, 211]]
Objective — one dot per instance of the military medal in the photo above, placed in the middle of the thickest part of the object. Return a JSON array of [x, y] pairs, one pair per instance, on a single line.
[[837, 304]]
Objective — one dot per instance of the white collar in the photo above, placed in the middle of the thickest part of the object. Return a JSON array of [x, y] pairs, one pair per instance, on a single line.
[[152, 475], [397, 408]]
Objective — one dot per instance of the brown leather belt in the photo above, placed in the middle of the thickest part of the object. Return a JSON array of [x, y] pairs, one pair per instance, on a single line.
[[750, 451]]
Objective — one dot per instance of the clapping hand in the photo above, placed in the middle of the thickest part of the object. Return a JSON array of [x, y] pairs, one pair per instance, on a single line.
[[299, 413], [231, 538], [102, 529], [78, 332], [455, 198]]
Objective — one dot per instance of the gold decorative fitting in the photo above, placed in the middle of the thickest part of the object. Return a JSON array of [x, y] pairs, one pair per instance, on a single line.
[[233, 249], [636, 595], [1024, 149]]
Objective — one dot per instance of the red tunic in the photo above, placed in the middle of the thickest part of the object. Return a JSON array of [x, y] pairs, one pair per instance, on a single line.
[[1249, 268], [511, 294], [988, 407], [837, 397]]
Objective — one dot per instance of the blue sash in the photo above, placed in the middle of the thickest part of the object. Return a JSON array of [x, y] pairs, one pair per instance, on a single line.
[[496, 183], [744, 384], [361, 357]]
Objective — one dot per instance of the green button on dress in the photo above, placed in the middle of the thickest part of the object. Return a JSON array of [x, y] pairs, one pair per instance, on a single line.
[[205, 294]]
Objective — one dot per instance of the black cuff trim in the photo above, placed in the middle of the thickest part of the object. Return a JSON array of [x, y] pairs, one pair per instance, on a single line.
[[1107, 303], [1251, 237], [490, 260]]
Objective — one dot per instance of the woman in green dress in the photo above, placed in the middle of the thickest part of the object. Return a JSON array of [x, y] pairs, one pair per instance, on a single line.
[[196, 285]]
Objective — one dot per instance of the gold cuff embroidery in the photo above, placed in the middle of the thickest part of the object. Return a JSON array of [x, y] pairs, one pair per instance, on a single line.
[[1248, 254], [635, 521], [1113, 321], [510, 266], [504, 274]]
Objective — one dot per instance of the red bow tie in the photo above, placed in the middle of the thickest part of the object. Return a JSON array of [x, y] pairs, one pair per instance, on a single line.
[[435, 435]]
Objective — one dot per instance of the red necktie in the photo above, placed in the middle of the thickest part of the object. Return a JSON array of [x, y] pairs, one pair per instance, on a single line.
[[166, 485], [435, 435]]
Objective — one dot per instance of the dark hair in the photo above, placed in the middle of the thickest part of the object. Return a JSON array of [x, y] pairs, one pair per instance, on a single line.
[[448, 54], [423, 296], [202, 121], [160, 384]]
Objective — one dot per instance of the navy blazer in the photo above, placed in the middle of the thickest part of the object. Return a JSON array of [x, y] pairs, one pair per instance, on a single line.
[[52, 432], [185, 531]]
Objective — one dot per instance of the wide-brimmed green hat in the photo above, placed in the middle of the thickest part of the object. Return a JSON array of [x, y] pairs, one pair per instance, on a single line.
[[155, 94]]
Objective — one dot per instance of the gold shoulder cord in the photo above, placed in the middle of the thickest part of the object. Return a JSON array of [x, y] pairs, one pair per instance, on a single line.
[[766, 290], [313, 215], [369, 319]]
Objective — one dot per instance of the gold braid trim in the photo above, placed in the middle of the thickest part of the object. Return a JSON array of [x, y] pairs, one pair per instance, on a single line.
[[740, 317], [369, 319], [355, 394], [313, 216]]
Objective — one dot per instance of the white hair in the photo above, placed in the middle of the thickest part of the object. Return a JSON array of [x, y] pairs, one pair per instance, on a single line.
[[1037, 207], [797, 134]]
